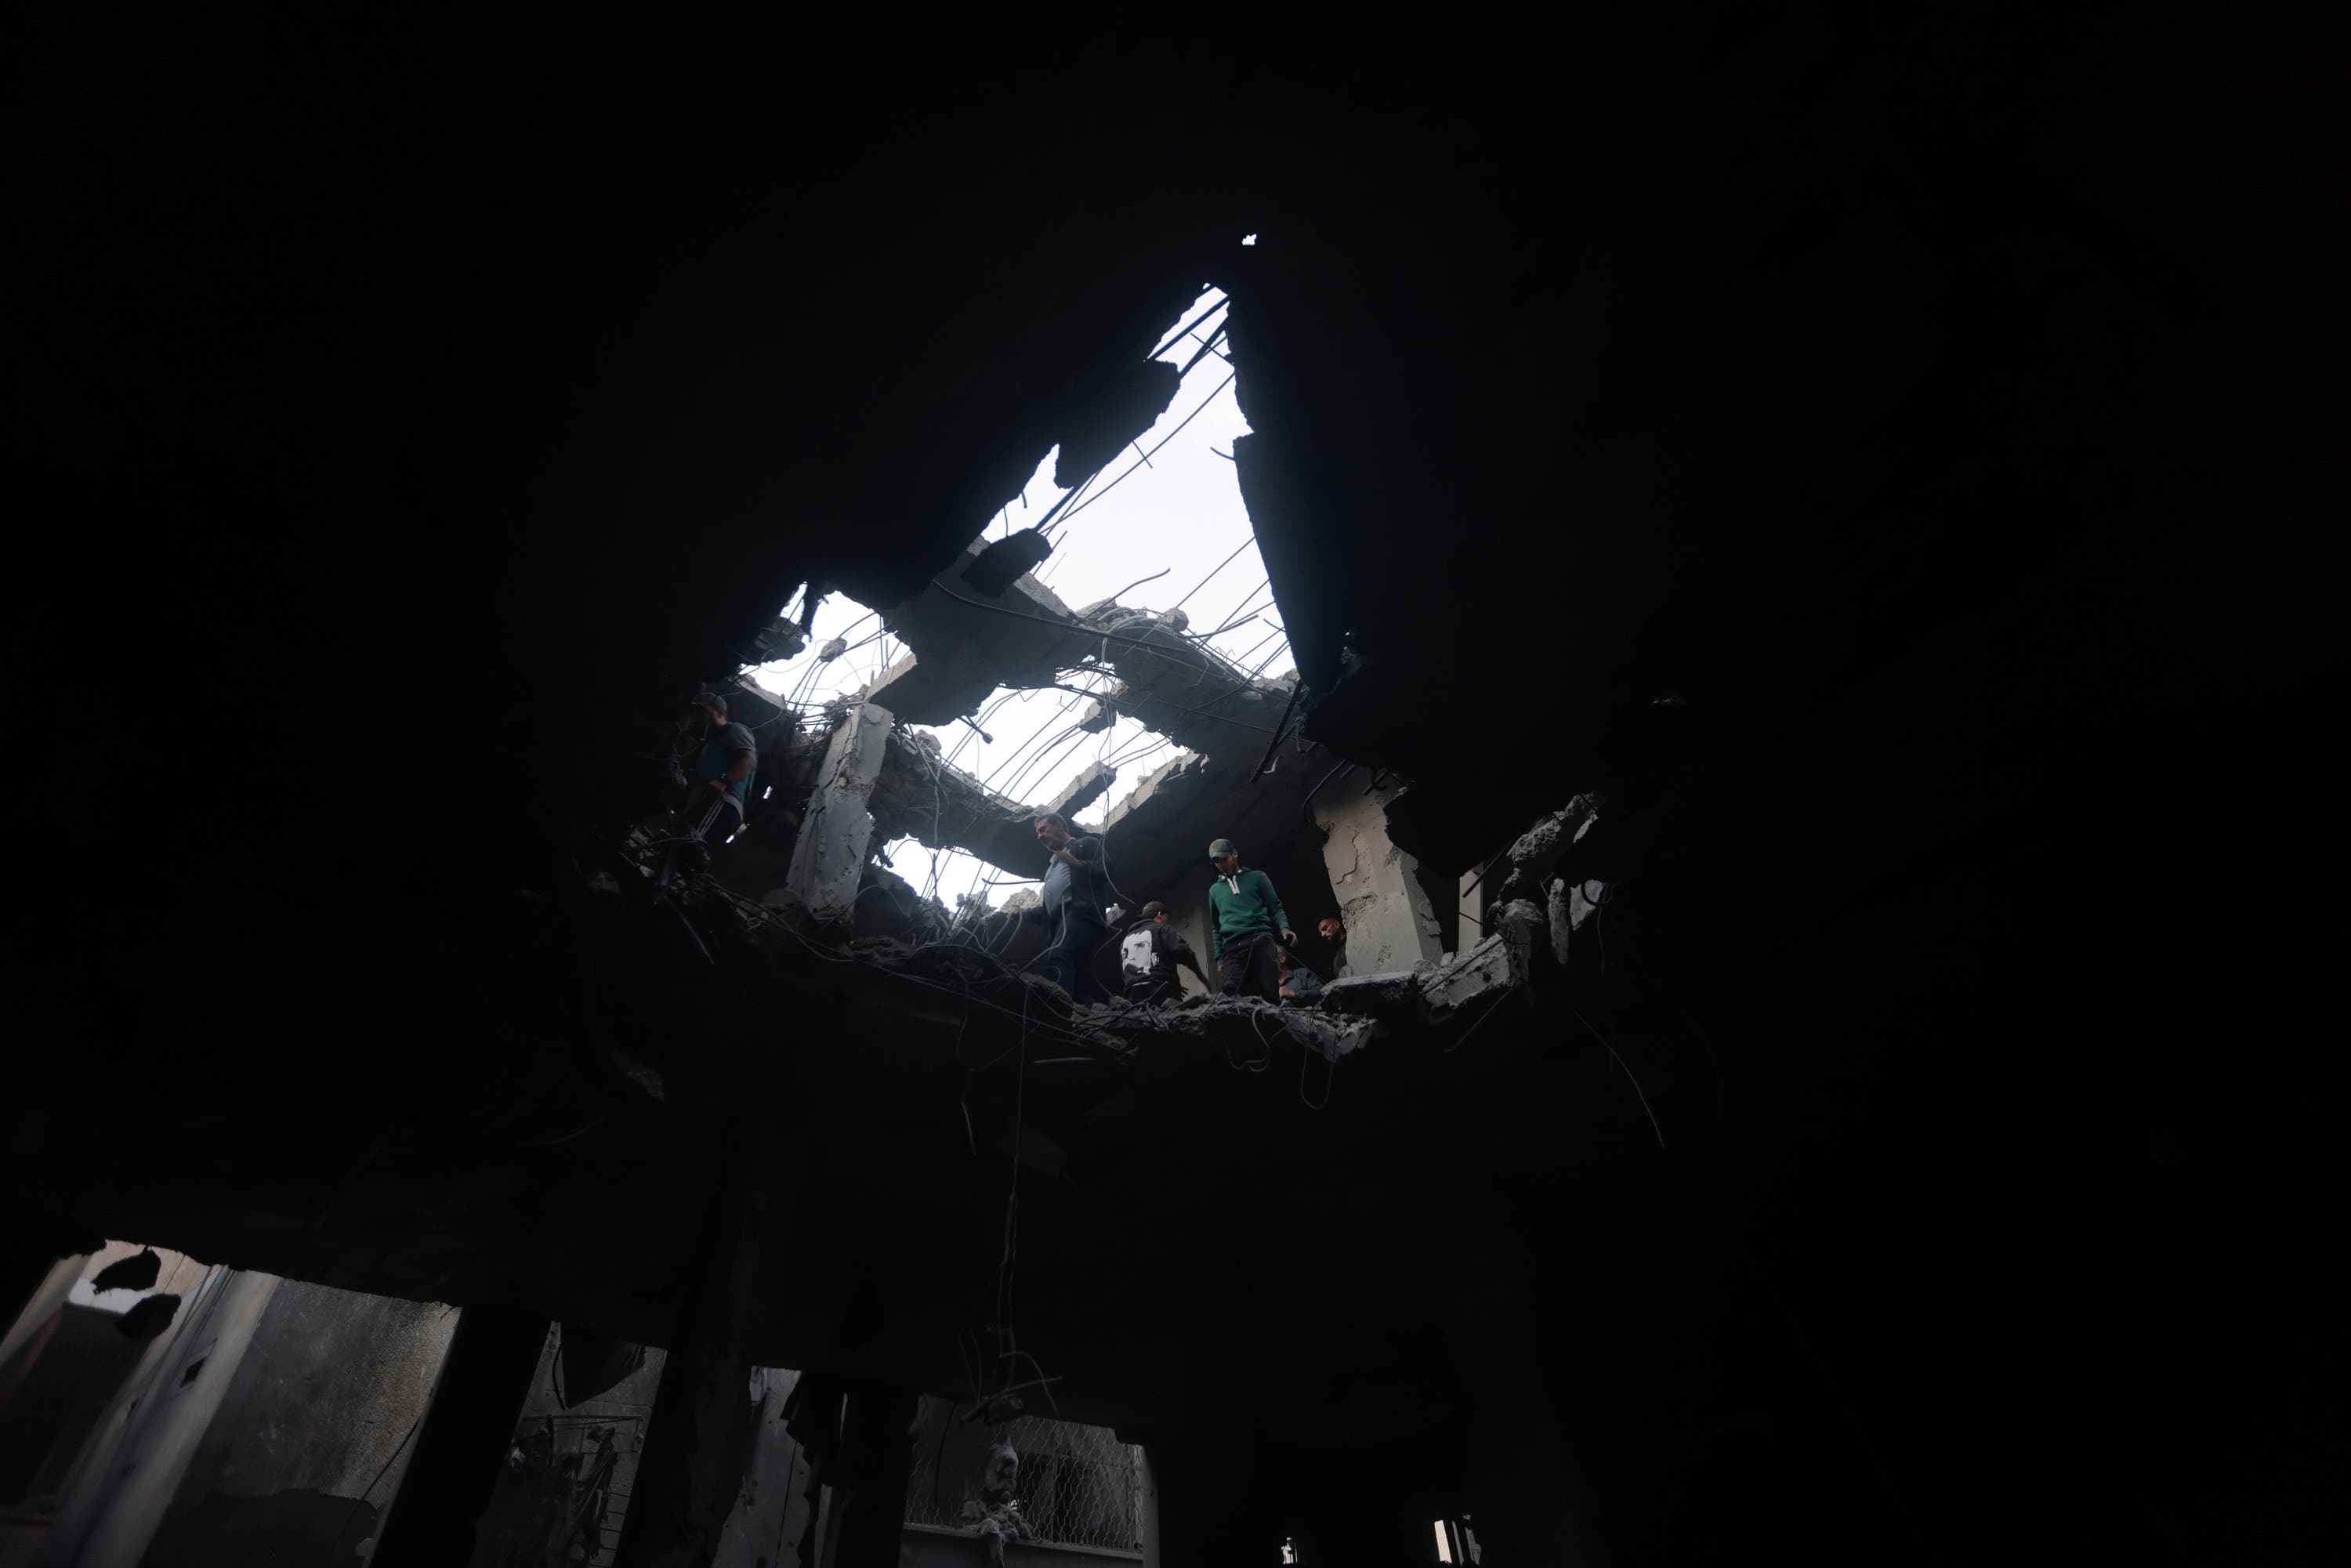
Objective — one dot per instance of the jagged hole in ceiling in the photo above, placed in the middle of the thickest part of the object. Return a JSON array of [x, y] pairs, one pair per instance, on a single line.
[[1160, 527]]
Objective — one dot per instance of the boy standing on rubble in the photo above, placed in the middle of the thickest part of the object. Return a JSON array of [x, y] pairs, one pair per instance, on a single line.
[[1149, 956], [1249, 917]]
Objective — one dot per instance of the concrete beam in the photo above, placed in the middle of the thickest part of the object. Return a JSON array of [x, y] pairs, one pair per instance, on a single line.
[[698, 1440], [962, 645], [1186, 690], [1390, 923], [461, 1448], [921, 797], [837, 831], [960, 652]]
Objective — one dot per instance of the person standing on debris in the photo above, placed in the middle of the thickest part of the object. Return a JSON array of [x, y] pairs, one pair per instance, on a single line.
[[1249, 920], [1149, 956], [1076, 894], [718, 779], [1333, 930], [1299, 983]]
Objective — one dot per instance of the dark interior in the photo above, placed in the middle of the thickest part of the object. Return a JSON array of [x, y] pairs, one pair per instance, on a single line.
[[1895, 457]]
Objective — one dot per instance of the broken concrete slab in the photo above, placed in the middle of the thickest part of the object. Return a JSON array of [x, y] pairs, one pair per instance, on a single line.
[[836, 829], [1373, 996], [1180, 687], [1242, 1026], [1520, 925], [962, 646], [1488, 967], [918, 796], [1531, 858]]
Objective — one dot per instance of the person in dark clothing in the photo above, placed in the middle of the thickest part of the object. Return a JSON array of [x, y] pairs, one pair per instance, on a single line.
[[1251, 926], [1333, 930], [1076, 896], [718, 760], [1299, 984], [1150, 953]]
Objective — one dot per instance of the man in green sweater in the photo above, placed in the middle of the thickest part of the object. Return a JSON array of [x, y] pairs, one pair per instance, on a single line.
[[1248, 918]]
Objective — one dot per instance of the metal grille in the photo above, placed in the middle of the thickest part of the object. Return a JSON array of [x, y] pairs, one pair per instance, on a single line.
[[1078, 1484], [564, 1492]]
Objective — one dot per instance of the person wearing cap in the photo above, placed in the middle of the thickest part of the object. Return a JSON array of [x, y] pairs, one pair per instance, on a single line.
[[1249, 920], [718, 779], [1149, 955]]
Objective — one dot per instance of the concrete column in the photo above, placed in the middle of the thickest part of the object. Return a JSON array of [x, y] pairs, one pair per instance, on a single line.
[[1527, 1474], [460, 1450], [774, 1512], [871, 1508], [837, 831], [698, 1440], [1390, 924]]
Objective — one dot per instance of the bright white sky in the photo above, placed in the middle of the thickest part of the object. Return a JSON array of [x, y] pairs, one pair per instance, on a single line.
[[1181, 513]]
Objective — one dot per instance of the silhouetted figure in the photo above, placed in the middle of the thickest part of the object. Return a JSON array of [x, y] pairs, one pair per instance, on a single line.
[[996, 1516], [1075, 903], [1150, 954], [718, 758]]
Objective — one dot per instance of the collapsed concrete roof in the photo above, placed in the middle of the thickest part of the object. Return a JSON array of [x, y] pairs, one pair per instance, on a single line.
[[1876, 451], [962, 646]]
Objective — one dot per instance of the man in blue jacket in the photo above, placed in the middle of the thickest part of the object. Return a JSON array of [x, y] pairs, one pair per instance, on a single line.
[[1249, 920], [1076, 896]]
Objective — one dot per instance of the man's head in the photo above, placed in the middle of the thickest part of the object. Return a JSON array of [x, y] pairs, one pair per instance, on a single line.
[[1281, 960], [1054, 830], [1155, 912], [707, 709], [1332, 928], [1225, 856]]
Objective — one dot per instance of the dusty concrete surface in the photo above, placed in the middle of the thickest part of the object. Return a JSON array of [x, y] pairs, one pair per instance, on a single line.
[[836, 829], [1390, 923]]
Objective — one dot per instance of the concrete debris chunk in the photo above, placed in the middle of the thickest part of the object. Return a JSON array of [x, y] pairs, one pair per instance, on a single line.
[[1539, 849], [828, 859], [1517, 923], [1561, 924]]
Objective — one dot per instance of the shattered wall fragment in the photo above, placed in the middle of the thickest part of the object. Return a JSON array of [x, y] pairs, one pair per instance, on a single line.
[[828, 860], [1390, 923]]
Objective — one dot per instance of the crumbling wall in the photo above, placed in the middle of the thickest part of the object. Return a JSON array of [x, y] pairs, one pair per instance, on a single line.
[[1391, 924], [268, 1423], [300, 1458]]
